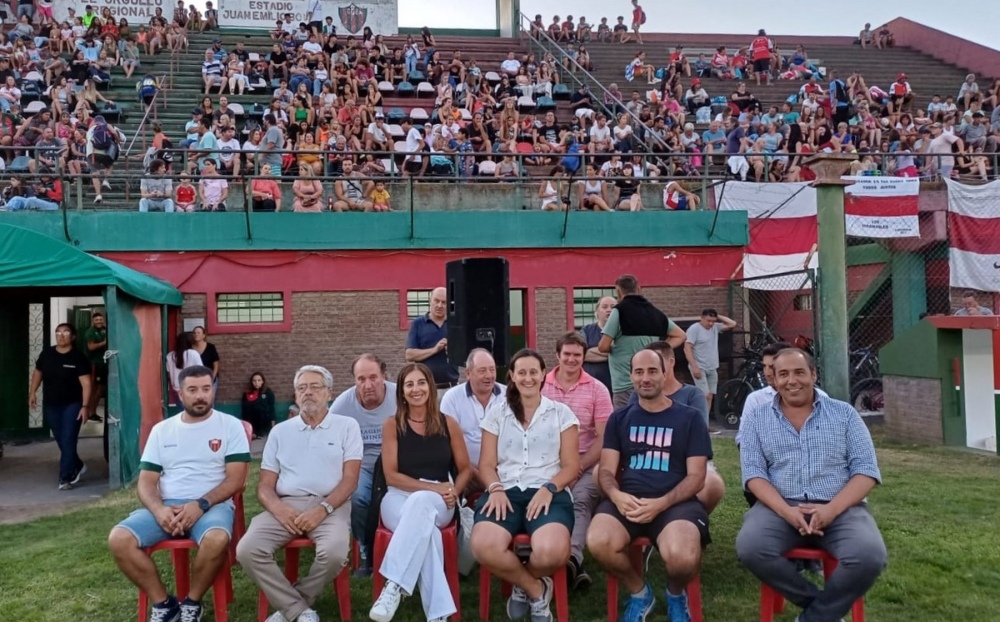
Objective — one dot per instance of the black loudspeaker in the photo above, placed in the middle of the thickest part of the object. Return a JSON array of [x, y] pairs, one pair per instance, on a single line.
[[478, 308]]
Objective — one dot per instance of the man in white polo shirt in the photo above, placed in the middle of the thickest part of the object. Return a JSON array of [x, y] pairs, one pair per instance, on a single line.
[[191, 467], [590, 401], [468, 403], [309, 471]]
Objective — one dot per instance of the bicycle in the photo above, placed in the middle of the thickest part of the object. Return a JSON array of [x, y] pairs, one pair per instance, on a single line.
[[728, 403], [866, 381]]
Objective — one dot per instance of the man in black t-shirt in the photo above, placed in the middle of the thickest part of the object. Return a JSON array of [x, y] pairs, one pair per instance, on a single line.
[[653, 464], [548, 136]]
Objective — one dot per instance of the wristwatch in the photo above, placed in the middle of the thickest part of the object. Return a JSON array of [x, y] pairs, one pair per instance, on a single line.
[[550, 487], [204, 504], [326, 506]]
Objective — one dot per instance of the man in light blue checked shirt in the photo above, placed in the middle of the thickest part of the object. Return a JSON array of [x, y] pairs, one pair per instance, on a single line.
[[810, 461]]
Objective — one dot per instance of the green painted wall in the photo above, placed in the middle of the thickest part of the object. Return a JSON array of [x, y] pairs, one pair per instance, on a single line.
[[132, 231], [923, 351]]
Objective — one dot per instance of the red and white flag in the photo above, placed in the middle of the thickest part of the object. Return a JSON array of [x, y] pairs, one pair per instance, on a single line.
[[782, 221], [882, 207], [974, 235]]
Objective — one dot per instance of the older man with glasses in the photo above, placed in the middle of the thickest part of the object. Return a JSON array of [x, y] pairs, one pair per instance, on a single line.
[[307, 476]]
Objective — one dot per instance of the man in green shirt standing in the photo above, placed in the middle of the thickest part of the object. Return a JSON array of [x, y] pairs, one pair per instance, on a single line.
[[633, 324], [97, 344]]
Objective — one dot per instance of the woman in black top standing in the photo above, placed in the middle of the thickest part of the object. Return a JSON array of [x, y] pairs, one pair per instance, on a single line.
[[258, 405], [422, 450], [209, 355], [65, 370]]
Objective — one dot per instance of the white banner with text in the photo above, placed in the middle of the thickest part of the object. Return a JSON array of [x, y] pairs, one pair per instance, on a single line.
[[349, 16]]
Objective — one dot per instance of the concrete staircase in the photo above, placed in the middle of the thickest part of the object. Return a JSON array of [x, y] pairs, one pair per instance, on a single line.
[[927, 76]]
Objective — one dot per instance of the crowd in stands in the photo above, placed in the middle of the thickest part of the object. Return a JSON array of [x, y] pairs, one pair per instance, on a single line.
[[322, 115]]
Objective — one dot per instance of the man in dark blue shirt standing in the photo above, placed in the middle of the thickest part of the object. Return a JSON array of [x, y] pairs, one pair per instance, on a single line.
[[661, 450], [427, 342]]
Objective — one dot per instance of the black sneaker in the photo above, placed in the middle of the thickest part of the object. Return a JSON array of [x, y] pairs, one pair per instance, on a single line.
[[363, 572], [582, 580], [79, 473], [190, 611], [167, 611]]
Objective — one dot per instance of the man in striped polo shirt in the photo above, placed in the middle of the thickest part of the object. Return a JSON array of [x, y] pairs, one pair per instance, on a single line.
[[590, 401]]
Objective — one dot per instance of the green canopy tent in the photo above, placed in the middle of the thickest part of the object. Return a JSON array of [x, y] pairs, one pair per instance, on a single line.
[[35, 268]]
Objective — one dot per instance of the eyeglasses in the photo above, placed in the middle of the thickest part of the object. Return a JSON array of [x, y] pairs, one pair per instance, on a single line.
[[302, 388]]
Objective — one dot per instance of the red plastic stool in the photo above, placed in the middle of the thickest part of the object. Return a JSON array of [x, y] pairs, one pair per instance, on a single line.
[[693, 588], [341, 583], [771, 602], [558, 580], [222, 588], [449, 534]]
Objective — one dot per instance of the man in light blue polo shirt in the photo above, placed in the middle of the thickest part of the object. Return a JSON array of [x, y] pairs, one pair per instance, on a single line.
[[370, 402], [427, 342]]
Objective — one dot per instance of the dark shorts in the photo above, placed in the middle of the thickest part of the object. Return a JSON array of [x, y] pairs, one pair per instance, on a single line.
[[413, 167], [692, 511], [99, 373], [762, 66], [560, 511], [102, 160]]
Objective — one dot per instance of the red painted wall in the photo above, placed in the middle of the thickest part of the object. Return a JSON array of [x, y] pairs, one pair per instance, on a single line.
[[291, 271]]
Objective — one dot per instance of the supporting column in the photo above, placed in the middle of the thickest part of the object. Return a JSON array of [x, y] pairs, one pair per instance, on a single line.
[[909, 290], [508, 18], [834, 338]]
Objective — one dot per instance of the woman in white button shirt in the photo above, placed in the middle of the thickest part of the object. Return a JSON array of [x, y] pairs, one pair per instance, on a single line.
[[529, 457]]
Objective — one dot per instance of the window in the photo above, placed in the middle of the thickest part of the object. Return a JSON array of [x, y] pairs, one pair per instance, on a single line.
[[803, 302], [250, 308], [585, 303], [418, 302]]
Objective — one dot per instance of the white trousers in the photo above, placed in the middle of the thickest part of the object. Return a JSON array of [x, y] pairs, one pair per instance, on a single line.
[[416, 552]]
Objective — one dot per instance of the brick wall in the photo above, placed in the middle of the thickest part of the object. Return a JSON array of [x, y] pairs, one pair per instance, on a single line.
[[689, 301], [913, 410], [331, 328], [550, 321], [328, 329]]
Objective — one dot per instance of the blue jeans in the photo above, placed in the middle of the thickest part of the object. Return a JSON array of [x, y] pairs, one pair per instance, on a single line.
[[361, 500], [20, 203], [428, 54], [62, 420], [165, 205], [318, 86], [410, 62], [296, 80]]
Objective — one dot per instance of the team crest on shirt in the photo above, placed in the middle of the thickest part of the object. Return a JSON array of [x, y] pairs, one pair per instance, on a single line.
[[215, 444]]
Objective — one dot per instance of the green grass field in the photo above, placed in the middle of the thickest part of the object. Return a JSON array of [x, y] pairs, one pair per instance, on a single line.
[[938, 512]]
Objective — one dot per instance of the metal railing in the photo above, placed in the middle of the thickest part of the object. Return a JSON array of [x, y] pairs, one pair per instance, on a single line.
[[145, 117], [557, 49]]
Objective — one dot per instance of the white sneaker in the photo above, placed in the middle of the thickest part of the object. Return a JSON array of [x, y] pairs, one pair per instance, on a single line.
[[276, 617], [540, 611], [98, 199], [387, 603], [106, 184], [308, 616]]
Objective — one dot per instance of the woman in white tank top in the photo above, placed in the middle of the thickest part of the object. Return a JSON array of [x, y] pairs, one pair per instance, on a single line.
[[550, 192], [592, 192]]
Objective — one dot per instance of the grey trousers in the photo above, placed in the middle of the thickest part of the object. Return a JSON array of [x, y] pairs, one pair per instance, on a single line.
[[620, 399], [853, 538], [585, 499], [266, 535]]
